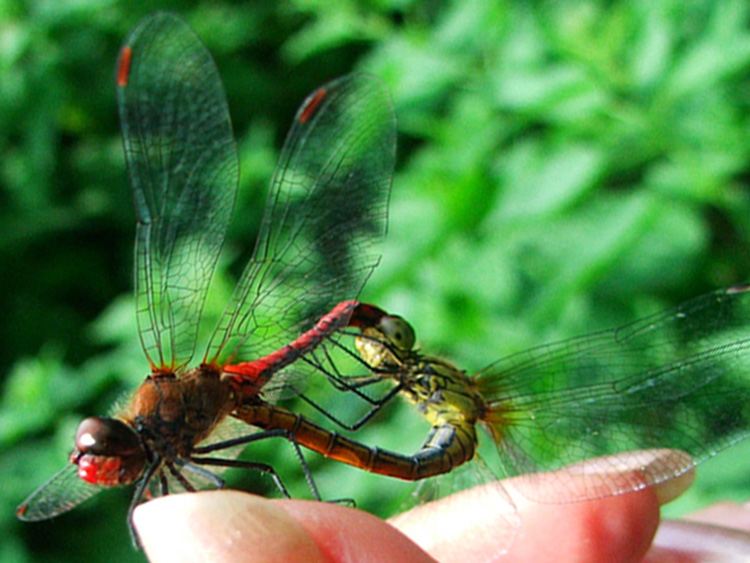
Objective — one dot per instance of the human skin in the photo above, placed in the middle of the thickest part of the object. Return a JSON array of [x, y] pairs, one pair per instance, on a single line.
[[474, 525], [720, 532]]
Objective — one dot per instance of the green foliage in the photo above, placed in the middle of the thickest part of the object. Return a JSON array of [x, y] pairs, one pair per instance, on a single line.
[[563, 166]]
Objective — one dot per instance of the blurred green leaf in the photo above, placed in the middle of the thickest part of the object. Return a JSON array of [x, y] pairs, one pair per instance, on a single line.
[[563, 167]]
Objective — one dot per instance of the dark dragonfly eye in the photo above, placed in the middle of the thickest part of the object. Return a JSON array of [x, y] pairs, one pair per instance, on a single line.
[[398, 332], [108, 452], [106, 436]]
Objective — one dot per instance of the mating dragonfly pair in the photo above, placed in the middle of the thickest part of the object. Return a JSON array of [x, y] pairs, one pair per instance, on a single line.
[[676, 380]]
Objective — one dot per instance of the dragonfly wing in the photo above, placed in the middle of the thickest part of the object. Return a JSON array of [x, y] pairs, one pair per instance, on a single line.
[[184, 172], [676, 380], [326, 209], [63, 492]]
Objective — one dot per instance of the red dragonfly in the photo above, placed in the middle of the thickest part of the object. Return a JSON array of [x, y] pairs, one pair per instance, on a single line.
[[326, 208]]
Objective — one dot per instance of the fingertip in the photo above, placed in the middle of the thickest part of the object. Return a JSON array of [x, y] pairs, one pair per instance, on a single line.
[[669, 473], [603, 527], [221, 526], [668, 490], [480, 524]]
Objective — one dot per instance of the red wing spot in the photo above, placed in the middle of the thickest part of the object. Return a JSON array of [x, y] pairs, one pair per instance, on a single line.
[[161, 370], [21, 510], [123, 69], [311, 105]]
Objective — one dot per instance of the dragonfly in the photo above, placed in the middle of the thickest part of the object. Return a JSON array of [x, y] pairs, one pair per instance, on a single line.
[[675, 380], [325, 211]]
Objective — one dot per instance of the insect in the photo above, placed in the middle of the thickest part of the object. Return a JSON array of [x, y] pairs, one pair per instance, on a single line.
[[674, 380], [325, 210]]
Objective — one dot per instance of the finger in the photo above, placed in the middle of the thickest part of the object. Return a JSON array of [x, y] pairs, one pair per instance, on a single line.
[[470, 527], [473, 524], [345, 534], [220, 526], [224, 526]]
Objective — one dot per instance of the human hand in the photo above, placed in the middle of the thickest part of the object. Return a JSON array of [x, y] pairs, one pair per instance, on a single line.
[[468, 526]]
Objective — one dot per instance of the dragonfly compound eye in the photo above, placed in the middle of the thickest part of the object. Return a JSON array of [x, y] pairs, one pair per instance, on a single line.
[[398, 332], [106, 436], [108, 452]]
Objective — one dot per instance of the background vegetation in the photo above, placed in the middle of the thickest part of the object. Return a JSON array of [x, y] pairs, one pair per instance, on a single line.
[[563, 166]]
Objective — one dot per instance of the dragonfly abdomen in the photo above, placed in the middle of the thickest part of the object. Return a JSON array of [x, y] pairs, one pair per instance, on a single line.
[[447, 446]]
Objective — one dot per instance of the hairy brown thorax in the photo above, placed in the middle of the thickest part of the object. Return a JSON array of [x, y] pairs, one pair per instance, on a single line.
[[180, 412]]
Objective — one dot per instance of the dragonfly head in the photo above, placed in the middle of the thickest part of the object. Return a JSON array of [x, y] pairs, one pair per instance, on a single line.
[[108, 452], [387, 343]]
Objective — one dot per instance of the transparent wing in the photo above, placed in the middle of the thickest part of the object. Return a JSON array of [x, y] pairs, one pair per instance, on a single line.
[[184, 172], [676, 380], [326, 208], [63, 492]]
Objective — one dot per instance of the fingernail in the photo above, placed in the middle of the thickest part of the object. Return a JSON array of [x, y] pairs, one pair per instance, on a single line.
[[670, 472]]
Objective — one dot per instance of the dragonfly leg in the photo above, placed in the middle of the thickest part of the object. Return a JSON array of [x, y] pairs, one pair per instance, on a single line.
[[375, 408], [243, 440], [352, 384], [138, 495], [256, 465]]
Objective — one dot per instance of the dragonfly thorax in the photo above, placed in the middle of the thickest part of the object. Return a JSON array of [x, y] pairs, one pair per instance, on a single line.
[[441, 391], [172, 414]]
